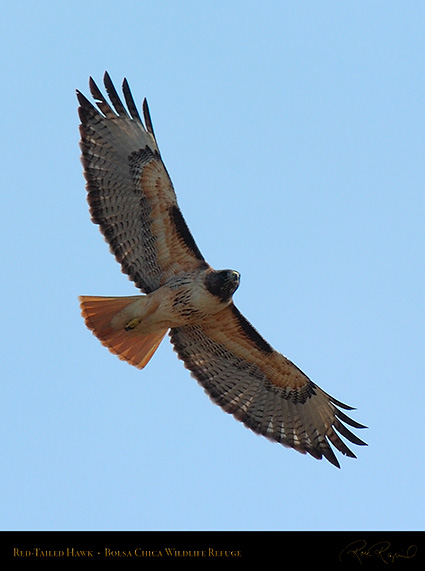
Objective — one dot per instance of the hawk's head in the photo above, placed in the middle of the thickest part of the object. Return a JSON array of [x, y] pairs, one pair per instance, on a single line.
[[222, 283]]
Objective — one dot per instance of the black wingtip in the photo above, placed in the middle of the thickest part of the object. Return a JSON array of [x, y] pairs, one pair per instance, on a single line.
[[81, 98], [148, 120], [113, 95], [95, 91], [86, 109], [130, 101]]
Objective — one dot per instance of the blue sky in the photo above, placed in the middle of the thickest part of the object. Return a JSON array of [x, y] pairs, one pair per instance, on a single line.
[[294, 134]]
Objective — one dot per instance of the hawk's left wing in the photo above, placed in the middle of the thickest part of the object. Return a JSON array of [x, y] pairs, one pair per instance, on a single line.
[[243, 374]]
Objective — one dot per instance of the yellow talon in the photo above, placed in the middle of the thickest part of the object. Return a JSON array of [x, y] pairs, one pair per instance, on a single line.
[[132, 324]]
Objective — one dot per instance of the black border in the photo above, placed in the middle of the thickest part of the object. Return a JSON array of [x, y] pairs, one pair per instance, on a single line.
[[339, 550]]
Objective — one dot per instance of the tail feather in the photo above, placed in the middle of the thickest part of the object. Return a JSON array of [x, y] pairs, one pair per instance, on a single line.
[[101, 317]]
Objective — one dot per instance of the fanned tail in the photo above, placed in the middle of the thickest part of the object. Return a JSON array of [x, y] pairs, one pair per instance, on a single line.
[[107, 319]]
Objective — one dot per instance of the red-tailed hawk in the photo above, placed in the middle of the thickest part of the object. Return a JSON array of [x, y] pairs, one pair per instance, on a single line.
[[132, 199]]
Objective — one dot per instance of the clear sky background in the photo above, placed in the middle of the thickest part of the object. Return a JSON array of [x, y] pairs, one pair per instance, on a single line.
[[294, 134]]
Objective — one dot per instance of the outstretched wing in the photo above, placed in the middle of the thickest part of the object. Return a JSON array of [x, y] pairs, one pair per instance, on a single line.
[[243, 374], [130, 194]]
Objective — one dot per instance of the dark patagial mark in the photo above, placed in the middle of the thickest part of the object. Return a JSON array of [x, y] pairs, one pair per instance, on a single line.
[[183, 232], [251, 332]]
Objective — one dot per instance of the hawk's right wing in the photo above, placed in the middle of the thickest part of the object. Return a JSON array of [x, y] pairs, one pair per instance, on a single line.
[[130, 193]]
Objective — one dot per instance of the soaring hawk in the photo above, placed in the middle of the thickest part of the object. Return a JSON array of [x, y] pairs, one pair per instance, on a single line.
[[132, 198]]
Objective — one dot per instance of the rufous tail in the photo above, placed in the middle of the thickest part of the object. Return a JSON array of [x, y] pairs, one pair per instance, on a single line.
[[131, 346]]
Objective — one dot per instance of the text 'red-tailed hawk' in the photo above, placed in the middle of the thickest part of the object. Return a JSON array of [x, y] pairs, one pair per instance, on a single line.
[[132, 199]]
